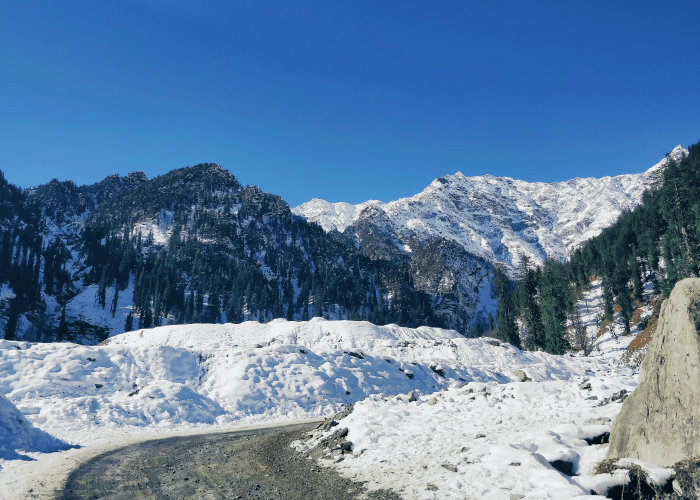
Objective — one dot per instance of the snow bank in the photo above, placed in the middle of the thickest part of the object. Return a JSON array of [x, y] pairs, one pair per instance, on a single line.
[[192, 378], [17, 433], [221, 374], [490, 441]]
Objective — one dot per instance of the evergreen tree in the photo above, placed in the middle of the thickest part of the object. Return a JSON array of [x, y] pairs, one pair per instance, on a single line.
[[129, 324], [62, 333], [531, 311], [580, 338], [115, 301], [12, 319], [507, 329], [554, 295]]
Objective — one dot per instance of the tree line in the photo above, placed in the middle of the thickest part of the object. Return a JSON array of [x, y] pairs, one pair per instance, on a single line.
[[661, 237], [231, 254]]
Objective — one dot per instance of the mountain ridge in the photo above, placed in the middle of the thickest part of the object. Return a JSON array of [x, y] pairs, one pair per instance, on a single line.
[[506, 218], [194, 245]]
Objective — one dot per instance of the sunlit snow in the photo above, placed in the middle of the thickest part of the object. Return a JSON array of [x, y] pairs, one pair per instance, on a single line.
[[197, 378]]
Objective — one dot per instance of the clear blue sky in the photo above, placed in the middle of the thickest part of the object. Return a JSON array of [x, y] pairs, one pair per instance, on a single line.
[[345, 101]]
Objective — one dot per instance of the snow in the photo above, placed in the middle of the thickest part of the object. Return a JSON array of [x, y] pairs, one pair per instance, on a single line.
[[499, 219], [17, 433], [657, 475], [203, 378], [501, 441]]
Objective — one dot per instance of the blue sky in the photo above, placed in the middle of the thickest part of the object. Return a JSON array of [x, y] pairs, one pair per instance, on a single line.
[[346, 101]]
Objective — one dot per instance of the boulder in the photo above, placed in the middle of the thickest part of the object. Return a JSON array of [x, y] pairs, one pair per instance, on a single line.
[[660, 421], [521, 376]]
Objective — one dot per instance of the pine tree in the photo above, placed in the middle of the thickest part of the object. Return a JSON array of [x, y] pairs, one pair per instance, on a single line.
[[129, 324], [581, 340], [607, 298], [12, 319], [115, 301], [554, 304], [62, 333], [507, 329], [101, 296], [531, 310], [635, 268]]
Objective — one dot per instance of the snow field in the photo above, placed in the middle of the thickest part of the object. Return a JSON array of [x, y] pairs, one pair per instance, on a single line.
[[485, 440], [202, 378], [221, 374]]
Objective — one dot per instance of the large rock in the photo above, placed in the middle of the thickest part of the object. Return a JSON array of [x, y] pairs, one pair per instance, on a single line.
[[660, 422]]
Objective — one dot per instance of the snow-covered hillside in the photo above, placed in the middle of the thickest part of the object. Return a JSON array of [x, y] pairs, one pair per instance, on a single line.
[[497, 218], [202, 377]]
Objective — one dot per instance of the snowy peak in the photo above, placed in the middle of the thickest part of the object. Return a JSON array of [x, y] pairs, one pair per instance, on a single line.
[[499, 219], [331, 216]]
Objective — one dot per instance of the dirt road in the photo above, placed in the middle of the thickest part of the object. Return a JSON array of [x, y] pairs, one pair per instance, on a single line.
[[252, 464]]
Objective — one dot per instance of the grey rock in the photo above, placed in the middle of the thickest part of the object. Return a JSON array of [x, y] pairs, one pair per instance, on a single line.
[[521, 376], [438, 370], [598, 421], [450, 467], [432, 401], [658, 422], [586, 386], [677, 488], [328, 424], [412, 396], [479, 436], [620, 396]]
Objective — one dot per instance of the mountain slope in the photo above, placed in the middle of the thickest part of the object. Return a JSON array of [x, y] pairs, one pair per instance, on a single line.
[[190, 246], [498, 219], [193, 245]]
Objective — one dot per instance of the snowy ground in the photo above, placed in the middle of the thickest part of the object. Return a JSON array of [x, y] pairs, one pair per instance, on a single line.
[[486, 440], [207, 378]]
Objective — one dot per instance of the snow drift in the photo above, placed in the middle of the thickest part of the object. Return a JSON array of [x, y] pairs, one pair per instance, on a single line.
[[18, 434]]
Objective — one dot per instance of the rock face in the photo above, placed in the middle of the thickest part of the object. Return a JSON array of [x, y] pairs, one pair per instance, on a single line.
[[660, 422]]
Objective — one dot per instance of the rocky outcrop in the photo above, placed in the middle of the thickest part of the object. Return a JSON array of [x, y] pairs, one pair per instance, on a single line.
[[660, 421]]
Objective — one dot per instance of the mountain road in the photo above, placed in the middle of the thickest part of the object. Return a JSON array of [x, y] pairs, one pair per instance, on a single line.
[[249, 464]]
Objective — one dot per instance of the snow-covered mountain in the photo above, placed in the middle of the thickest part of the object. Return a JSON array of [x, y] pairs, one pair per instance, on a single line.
[[86, 262], [498, 219], [82, 263]]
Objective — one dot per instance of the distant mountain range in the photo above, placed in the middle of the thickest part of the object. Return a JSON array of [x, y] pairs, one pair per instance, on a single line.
[[81, 263], [497, 219]]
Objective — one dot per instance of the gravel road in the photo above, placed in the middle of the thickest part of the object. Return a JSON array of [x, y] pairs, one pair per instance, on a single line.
[[252, 464]]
